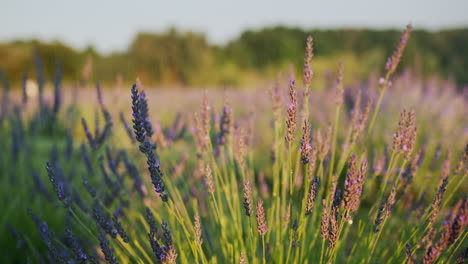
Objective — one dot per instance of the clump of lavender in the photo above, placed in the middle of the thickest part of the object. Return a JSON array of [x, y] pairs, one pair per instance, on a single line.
[[145, 146], [107, 250], [353, 187], [311, 195], [308, 73], [209, 179], [390, 66], [394, 60], [162, 245], [58, 183], [74, 245], [224, 126], [138, 118], [438, 200], [248, 203], [157, 249], [309, 54], [459, 222], [103, 221], [333, 227], [305, 142], [325, 220], [292, 112], [120, 229], [198, 229], [171, 252], [405, 136], [431, 255], [262, 226], [145, 115]]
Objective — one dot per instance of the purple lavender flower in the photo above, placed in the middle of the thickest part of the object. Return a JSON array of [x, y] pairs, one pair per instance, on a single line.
[[138, 119], [154, 169], [58, 183], [73, 243], [103, 221], [143, 105], [120, 229], [106, 249], [145, 145], [162, 249]]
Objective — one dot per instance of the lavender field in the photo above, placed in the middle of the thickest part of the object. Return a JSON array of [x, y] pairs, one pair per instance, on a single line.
[[368, 170]]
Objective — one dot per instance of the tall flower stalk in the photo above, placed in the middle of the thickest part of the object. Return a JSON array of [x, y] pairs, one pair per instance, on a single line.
[[390, 66]]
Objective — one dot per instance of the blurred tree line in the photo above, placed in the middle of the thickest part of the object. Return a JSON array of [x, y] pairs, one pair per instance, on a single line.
[[187, 59]]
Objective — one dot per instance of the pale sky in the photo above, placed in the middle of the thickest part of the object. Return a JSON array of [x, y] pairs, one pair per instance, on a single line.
[[111, 25]]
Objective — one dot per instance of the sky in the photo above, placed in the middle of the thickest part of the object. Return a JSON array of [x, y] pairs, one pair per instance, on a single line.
[[111, 25]]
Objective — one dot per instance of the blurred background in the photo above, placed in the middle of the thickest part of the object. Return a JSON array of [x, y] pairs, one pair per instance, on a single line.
[[217, 44]]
